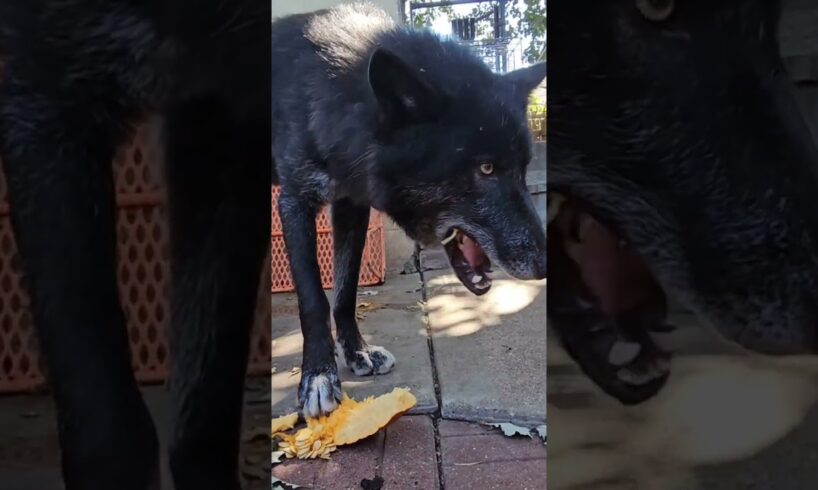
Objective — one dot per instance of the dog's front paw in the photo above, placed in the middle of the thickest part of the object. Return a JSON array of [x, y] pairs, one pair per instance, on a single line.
[[368, 360], [319, 392]]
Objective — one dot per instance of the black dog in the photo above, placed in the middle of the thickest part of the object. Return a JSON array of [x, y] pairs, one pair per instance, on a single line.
[[372, 114], [77, 76], [686, 169]]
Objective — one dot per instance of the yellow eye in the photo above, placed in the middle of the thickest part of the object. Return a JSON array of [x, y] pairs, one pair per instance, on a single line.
[[487, 168], [656, 10]]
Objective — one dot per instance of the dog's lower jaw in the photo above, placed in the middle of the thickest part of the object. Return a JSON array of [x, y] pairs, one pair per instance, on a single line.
[[365, 360]]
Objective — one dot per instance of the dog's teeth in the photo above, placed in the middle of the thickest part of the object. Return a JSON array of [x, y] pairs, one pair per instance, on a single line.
[[450, 237], [476, 279], [623, 352]]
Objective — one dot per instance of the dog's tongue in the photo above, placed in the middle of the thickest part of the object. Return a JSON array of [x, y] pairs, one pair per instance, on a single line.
[[472, 252]]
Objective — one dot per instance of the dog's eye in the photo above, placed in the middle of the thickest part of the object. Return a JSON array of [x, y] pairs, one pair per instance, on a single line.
[[656, 10], [487, 168]]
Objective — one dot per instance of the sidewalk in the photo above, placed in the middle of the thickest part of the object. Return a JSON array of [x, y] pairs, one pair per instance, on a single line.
[[466, 359]]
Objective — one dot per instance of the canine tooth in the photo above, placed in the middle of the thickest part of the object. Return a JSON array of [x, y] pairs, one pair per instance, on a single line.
[[476, 279], [450, 237], [623, 352]]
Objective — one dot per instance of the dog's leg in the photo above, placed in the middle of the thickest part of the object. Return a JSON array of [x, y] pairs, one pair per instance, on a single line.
[[349, 224], [58, 164], [219, 193], [320, 389]]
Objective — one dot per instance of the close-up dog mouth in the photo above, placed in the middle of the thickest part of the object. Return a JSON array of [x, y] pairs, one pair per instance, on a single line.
[[607, 307], [468, 260]]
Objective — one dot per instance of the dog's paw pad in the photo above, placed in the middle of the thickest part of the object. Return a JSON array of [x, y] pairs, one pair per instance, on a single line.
[[372, 359], [319, 393]]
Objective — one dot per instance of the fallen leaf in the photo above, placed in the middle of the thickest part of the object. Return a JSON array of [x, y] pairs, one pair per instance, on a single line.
[[467, 464], [295, 370], [273, 371], [511, 430], [541, 431], [371, 292]]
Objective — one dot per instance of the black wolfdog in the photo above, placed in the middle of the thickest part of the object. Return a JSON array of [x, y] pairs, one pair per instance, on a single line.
[[686, 169], [76, 77], [372, 114]]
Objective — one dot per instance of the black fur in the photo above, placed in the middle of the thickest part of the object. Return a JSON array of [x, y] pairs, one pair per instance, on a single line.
[[372, 114], [684, 136], [77, 76]]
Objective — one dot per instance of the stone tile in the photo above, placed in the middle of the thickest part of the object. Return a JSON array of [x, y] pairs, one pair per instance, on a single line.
[[409, 460], [298, 472], [465, 450], [396, 324], [490, 350], [504, 475], [351, 464], [459, 428]]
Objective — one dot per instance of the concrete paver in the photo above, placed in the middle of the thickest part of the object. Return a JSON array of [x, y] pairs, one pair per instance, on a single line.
[[409, 460], [394, 320], [490, 351], [489, 460]]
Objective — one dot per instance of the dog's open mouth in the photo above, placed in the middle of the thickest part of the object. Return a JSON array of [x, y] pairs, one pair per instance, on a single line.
[[606, 306], [469, 262]]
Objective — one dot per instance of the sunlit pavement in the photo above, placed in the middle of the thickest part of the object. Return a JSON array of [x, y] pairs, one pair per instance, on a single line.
[[487, 355]]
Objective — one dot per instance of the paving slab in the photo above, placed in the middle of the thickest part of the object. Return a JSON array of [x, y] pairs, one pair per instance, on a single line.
[[490, 350], [489, 460], [726, 420], [409, 460], [393, 319]]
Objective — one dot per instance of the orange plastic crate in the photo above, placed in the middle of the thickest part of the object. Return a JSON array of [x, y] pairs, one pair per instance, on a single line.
[[143, 273], [373, 262]]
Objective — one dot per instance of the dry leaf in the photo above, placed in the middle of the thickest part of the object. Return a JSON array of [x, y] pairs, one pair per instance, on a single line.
[[511, 430], [541, 431]]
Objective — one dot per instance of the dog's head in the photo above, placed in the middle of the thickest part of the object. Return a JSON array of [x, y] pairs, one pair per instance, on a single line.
[[686, 169], [453, 148]]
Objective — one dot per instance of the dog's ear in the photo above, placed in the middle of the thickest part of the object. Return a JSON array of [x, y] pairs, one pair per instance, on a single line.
[[525, 80], [404, 94]]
